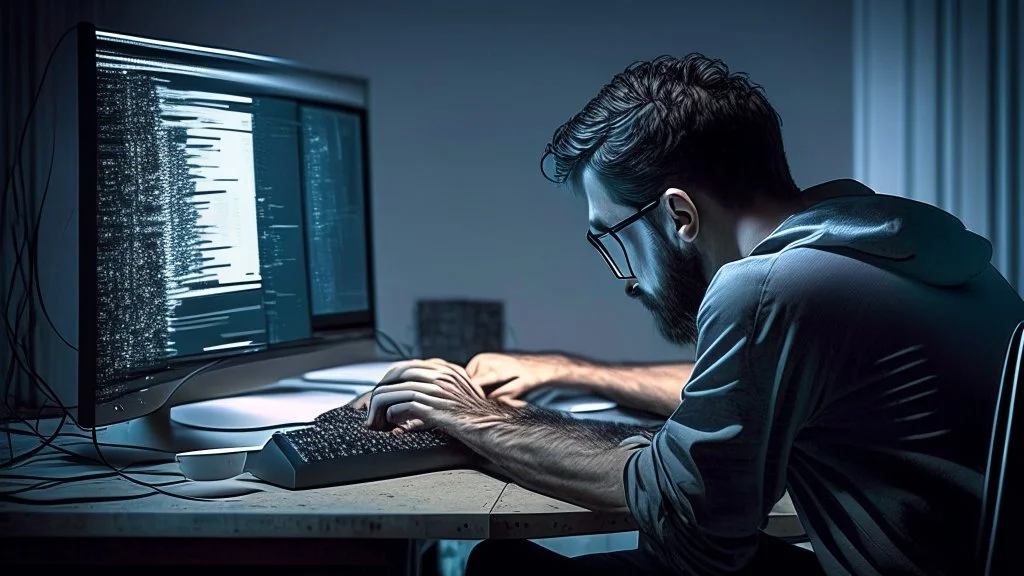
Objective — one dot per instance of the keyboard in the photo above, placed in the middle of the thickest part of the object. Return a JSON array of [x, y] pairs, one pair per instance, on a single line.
[[338, 449]]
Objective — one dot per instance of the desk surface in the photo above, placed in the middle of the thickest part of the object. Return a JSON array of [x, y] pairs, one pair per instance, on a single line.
[[450, 505]]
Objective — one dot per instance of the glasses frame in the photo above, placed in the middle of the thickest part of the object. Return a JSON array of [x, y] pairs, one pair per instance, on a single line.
[[595, 240]]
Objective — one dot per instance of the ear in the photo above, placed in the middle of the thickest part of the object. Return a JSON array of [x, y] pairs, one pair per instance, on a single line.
[[683, 213]]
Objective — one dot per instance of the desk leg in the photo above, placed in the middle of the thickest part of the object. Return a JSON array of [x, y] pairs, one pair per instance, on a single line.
[[412, 558], [411, 563]]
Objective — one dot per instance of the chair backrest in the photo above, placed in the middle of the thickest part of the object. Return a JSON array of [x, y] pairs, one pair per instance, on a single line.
[[1000, 500]]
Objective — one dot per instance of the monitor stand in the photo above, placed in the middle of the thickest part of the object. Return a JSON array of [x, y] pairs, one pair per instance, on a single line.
[[234, 422]]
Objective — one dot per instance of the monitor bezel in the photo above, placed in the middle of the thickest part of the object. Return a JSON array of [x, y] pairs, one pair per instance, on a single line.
[[158, 386]]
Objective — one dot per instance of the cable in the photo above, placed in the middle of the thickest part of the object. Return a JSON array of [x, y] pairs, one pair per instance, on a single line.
[[12, 332], [30, 234], [29, 280], [96, 500], [16, 165], [31, 110], [34, 432], [55, 483], [89, 476], [154, 488], [34, 247], [390, 346]]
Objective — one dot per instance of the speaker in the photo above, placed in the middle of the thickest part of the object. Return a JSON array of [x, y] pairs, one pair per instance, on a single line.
[[457, 330]]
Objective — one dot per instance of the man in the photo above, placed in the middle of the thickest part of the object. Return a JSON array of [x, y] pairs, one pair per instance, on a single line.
[[849, 348]]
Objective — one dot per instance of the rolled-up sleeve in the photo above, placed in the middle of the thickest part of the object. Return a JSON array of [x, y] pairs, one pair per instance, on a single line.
[[700, 491]]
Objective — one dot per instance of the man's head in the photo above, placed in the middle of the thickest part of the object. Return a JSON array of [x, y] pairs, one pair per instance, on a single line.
[[671, 155]]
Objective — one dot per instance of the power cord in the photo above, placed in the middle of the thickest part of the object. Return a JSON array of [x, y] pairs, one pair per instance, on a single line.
[[30, 235], [114, 471], [28, 279], [389, 345]]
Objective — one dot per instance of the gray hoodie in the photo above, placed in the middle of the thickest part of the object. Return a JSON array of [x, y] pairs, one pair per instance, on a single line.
[[854, 358]]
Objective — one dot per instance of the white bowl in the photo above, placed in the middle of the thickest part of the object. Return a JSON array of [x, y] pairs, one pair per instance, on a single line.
[[215, 464]]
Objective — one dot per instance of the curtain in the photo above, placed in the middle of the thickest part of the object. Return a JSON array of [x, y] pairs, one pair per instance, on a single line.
[[30, 30], [938, 112]]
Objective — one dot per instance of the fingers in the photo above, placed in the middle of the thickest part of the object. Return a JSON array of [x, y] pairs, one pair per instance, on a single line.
[[434, 383], [462, 376], [384, 397], [408, 416], [361, 401], [510, 389], [420, 374], [431, 371], [474, 365], [399, 367], [437, 364], [412, 425], [454, 367], [482, 366], [512, 402], [423, 370]]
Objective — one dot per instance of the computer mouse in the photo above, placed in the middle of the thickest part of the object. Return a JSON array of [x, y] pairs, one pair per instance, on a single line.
[[568, 400], [214, 464], [585, 405]]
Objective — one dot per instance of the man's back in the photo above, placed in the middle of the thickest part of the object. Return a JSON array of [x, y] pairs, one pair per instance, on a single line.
[[888, 468], [911, 326], [854, 358]]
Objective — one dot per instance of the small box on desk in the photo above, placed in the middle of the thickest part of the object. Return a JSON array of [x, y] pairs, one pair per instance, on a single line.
[[457, 330]]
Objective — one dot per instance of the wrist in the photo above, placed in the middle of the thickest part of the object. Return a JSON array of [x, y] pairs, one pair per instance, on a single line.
[[560, 369], [570, 371], [473, 425]]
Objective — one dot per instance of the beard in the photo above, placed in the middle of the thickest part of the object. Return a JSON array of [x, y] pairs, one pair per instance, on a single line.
[[682, 283]]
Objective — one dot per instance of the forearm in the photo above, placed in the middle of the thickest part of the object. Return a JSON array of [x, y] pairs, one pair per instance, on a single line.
[[577, 461], [655, 388]]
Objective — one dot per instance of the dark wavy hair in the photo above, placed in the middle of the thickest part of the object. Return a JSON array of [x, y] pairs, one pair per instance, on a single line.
[[676, 122]]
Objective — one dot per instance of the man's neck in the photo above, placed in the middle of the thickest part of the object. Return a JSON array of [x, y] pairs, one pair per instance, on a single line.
[[752, 230], [751, 227], [757, 224]]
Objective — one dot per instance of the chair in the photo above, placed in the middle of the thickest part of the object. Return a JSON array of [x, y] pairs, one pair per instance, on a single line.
[[1000, 500]]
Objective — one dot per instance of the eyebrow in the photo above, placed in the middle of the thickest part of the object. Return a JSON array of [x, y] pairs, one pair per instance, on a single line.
[[598, 226]]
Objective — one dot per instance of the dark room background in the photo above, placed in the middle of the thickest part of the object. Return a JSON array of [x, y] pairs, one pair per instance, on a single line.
[[915, 98]]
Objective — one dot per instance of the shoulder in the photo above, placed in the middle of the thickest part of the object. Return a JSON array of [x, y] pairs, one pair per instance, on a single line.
[[736, 291], [787, 282]]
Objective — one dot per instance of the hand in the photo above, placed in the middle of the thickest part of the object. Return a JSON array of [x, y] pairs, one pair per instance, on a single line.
[[360, 402], [421, 394], [513, 375]]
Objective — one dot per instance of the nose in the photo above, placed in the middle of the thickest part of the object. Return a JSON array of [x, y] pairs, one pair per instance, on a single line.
[[632, 288]]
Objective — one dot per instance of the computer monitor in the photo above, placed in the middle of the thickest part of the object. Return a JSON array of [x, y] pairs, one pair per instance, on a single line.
[[224, 221]]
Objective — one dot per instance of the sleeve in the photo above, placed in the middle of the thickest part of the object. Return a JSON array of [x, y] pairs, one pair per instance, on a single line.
[[700, 490]]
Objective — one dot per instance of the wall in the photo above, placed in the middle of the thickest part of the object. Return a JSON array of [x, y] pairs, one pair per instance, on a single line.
[[464, 95]]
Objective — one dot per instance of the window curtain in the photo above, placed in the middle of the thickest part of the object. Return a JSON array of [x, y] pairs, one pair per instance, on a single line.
[[29, 30], [938, 112]]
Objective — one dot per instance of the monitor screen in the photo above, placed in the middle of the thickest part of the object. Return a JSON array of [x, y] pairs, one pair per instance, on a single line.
[[231, 211]]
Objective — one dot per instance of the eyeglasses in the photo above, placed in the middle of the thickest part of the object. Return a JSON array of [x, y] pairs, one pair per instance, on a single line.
[[615, 254]]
